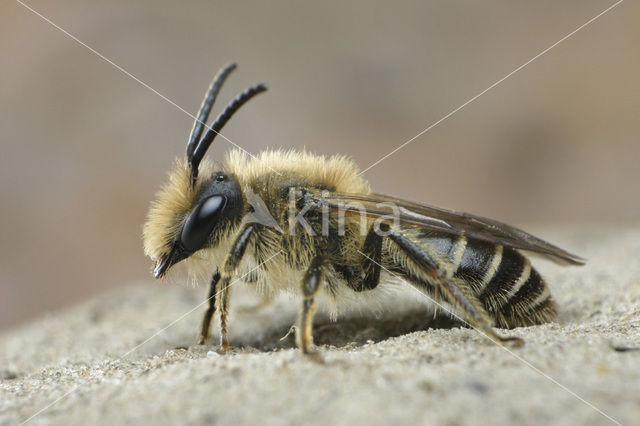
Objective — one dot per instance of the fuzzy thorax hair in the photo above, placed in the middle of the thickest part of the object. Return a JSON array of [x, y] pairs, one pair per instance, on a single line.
[[337, 171]]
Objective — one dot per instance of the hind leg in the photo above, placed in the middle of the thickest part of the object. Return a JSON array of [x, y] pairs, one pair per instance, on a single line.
[[453, 292]]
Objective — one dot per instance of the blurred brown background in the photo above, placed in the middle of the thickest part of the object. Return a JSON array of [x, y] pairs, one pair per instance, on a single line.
[[84, 146]]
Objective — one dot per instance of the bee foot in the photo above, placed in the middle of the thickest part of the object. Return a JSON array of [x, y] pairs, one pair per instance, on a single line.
[[226, 348], [512, 341], [315, 356]]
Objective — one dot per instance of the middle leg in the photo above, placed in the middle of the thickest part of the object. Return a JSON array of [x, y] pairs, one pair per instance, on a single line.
[[310, 285]]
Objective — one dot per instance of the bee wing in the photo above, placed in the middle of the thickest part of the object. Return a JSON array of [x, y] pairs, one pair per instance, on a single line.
[[442, 220]]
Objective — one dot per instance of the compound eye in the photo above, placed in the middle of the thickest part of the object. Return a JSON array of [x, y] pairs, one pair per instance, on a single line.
[[201, 222]]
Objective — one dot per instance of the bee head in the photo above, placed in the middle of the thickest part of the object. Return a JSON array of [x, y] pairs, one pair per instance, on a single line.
[[198, 204], [186, 218]]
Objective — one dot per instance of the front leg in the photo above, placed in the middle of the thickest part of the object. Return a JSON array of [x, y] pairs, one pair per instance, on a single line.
[[206, 320], [310, 286], [229, 267]]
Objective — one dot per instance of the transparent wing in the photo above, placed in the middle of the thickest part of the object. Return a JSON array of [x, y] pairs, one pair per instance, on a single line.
[[442, 220]]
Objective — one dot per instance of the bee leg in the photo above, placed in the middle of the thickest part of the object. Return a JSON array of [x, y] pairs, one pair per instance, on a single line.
[[366, 275], [206, 320], [310, 286], [465, 302], [224, 313], [229, 267], [476, 316], [372, 250]]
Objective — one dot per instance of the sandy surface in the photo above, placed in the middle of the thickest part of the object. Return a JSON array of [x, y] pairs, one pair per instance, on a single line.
[[401, 367]]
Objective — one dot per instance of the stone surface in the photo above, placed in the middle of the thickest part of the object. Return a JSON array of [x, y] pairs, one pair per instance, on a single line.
[[129, 357]]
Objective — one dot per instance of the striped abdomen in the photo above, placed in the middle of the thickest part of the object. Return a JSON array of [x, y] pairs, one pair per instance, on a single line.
[[511, 291]]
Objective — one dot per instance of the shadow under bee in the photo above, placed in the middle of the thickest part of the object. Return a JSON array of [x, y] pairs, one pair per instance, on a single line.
[[348, 331]]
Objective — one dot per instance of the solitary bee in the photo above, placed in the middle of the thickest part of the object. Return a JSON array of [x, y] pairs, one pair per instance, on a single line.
[[295, 221]]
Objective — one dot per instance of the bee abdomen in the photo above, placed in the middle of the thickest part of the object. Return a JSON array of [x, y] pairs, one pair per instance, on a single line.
[[511, 291]]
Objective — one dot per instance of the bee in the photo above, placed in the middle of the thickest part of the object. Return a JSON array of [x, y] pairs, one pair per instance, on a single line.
[[309, 224]]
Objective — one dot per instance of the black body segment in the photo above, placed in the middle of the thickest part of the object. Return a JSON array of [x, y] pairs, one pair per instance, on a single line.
[[475, 263], [510, 270], [531, 304], [498, 278], [532, 288]]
